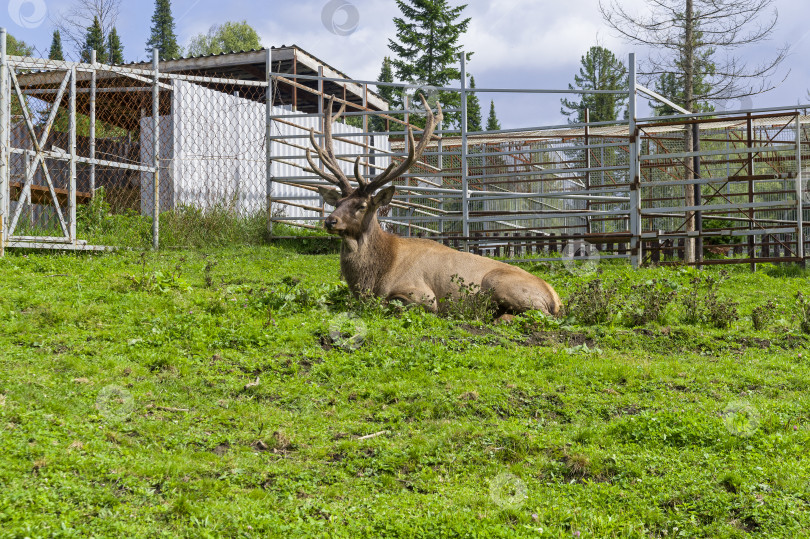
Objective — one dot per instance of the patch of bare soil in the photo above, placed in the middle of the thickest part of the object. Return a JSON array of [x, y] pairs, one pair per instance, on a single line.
[[475, 330], [753, 342], [551, 338], [221, 449]]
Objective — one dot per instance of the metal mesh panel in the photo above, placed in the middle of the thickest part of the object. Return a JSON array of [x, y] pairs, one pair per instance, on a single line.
[[745, 177], [81, 140]]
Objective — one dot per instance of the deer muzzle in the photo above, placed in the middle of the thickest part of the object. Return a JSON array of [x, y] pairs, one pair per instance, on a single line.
[[332, 224]]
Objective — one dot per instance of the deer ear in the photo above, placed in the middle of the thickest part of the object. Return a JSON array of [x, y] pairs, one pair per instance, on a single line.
[[330, 196], [384, 197]]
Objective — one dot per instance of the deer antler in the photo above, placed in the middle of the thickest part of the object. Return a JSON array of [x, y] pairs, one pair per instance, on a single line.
[[338, 178], [414, 151], [327, 154]]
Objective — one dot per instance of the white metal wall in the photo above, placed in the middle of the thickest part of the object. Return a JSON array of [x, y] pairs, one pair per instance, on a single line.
[[213, 150]]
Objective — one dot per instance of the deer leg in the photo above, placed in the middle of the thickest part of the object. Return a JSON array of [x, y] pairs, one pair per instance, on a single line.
[[419, 296], [516, 292]]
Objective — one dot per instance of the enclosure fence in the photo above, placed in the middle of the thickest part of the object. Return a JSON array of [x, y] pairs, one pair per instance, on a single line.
[[157, 145]]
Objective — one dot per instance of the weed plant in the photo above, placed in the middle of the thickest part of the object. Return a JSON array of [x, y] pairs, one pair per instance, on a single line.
[[702, 302], [470, 303], [763, 315], [803, 305], [647, 302], [593, 302]]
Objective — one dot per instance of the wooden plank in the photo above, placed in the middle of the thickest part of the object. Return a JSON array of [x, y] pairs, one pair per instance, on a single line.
[[40, 195]]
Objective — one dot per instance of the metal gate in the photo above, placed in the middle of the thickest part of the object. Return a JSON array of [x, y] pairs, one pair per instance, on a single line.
[[45, 176]]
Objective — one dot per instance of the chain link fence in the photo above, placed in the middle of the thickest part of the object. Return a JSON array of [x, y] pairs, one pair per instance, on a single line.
[[213, 150]]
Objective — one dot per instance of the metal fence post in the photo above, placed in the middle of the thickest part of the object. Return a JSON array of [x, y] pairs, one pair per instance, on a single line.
[[440, 167], [72, 134], [5, 124], [27, 166], [465, 207], [268, 133], [156, 149], [406, 103], [696, 162], [93, 124], [321, 123], [587, 169], [799, 191], [635, 170]]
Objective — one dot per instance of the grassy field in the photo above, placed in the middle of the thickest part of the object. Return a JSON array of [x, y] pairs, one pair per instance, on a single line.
[[239, 392]]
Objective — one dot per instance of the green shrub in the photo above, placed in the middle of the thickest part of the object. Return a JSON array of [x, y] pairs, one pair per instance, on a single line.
[[702, 302], [593, 302], [471, 303], [647, 302], [762, 315], [803, 303]]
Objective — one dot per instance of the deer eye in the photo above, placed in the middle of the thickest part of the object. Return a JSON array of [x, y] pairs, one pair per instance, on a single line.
[[363, 206]]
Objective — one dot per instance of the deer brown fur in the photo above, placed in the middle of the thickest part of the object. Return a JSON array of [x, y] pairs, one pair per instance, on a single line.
[[409, 269]]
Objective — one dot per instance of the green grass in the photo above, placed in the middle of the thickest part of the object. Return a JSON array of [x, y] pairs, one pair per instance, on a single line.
[[129, 406]]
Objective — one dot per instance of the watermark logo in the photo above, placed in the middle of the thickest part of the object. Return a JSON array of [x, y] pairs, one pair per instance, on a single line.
[[115, 403], [27, 13], [739, 103], [580, 257], [340, 17], [347, 331], [431, 94], [508, 491], [741, 418]]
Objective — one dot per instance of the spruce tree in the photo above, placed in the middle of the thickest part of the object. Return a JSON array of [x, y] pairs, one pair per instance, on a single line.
[[56, 47], [427, 47], [391, 94], [473, 109], [95, 41], [492, 122], [114, 48], [163, 36], [600, 70]]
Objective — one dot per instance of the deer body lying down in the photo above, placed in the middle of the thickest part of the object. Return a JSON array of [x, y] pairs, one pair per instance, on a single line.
[[423, 271], [406, 269]]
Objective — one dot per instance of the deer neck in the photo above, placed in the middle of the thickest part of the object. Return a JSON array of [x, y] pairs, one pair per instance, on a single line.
[[365, 259]]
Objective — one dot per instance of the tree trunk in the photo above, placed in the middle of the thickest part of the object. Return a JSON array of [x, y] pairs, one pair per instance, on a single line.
[[688, 142]]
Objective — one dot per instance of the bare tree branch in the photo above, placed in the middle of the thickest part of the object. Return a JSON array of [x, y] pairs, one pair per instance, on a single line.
[[73, 22], [716, 27], [694, 48]]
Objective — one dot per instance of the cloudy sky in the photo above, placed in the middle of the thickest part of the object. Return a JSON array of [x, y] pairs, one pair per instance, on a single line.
[[516, 43]]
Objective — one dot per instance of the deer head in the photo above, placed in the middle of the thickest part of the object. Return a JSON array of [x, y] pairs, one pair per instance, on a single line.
[[356, 208]]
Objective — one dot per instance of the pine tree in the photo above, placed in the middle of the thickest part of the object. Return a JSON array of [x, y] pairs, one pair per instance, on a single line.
[[391, 94], [95, 41], [116, 50], [427, 48], [672, 85], [600, 70], [473, 109], [492, 122], [163, 36], [56, 47]]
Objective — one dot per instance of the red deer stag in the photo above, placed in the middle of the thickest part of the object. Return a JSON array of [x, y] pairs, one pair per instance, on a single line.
[[409, 269]]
